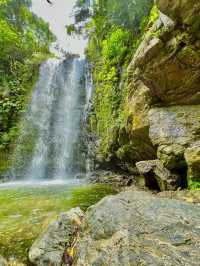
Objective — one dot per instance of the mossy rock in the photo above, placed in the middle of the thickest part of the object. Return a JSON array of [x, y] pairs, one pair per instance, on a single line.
[[192, 156]]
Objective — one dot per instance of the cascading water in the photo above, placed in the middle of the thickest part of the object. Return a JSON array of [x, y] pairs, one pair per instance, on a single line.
[[52, 124]]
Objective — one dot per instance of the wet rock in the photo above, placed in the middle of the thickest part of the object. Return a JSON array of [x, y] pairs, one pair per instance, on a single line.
[[192, 156], [3, 262], [157, 176], [172, 130], [49, 248], [136, 228]]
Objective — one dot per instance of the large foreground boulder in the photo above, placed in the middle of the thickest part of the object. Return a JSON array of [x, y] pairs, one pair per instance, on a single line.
[[136, 228], [50, 247]]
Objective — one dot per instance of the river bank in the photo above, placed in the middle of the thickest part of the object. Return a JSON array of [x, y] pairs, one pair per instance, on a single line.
[[134, 227], [27, 208]]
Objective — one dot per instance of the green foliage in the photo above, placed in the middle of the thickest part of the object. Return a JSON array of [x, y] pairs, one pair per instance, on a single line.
[[193, 185], [89, 195], [154, 14], [71, 29], [115, 32], [115, 47], [128, 13], [24, 43]]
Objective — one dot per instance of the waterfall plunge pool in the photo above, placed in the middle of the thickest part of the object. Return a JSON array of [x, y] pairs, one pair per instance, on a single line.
[[51, 144], [26, 208]]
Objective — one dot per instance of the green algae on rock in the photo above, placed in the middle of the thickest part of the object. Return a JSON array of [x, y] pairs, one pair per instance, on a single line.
[[192, 157]]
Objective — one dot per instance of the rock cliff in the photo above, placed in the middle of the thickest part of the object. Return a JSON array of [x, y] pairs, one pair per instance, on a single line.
[[162, 106]]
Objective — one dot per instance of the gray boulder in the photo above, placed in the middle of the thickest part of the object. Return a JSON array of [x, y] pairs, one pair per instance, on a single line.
[[172, 130], [136, 228], [49, 248]]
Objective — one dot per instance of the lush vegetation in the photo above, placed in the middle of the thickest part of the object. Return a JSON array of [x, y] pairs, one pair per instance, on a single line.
[[24, 43], [115, 31]]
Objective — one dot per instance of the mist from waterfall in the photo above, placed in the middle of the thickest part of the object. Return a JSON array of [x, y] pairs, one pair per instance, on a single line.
[[52, 126]]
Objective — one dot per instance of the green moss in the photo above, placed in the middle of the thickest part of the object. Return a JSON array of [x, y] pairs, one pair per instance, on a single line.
[[126, 153], [110, 50], [154, 15], [84, 197], [193, 185], [194, 178], [4, 162]]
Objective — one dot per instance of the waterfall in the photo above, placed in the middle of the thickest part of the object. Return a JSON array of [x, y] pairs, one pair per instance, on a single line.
[[87, 110], [49, 145]]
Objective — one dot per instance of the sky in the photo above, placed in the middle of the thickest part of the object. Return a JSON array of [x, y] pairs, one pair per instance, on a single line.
[[58, 15]]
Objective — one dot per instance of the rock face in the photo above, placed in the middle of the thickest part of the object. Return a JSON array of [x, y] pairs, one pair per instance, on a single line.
[[157, 176], [165, 72], [136, 228], [134, 139], [160, 112], [50, 247], [179, 127], [168, 59], [182, 11], [117, 180]]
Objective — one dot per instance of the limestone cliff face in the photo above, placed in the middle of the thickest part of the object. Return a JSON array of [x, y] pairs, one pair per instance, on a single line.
[[164, 81], [162, 109]]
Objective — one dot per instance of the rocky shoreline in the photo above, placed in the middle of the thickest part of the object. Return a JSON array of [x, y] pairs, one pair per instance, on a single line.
[[135, 227], [131, 228]]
